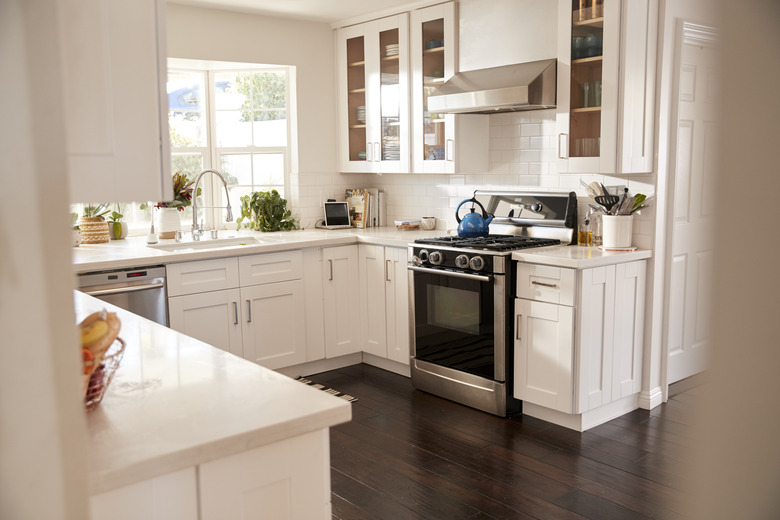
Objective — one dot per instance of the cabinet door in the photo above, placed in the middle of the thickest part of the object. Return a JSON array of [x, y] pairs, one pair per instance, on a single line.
[[629, 328], [114, 74], [286, 479], [213, 317], [273, 324], [397, 304], [341, 297], [544, 354], [373, 316], [433, 47], [595, 337], [374, 96]]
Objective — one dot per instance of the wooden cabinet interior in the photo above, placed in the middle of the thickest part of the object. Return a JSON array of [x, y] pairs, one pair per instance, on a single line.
[[433, 76], [356, 94], [586, 79]]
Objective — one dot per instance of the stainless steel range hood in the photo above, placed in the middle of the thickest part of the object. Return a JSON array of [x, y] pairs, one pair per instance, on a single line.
[[524, 86]]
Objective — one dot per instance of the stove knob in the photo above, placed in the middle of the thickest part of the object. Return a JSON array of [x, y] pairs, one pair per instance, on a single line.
[[462, 261], [436, 258], [423, 255], [477, 263]]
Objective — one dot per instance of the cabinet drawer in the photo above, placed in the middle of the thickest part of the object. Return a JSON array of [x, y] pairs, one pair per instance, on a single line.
[[202, 276], [270, 267], [545, 283]]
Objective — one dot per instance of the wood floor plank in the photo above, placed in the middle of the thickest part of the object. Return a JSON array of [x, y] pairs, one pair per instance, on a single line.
[[408, 454]]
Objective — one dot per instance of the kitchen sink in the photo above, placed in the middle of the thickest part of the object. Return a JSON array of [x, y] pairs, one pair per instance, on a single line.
[[206, 244]]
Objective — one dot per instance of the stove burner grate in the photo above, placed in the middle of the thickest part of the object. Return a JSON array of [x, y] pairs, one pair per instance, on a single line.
[[491, 242]]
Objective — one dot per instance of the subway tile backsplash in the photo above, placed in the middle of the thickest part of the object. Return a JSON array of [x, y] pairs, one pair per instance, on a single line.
[[522, 156]]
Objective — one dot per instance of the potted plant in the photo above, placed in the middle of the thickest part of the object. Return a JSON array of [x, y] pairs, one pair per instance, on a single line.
[[93, 226], [169, 221], [118, 226], [266, 211]]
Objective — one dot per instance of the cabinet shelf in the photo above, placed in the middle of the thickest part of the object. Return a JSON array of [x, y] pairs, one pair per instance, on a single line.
[[357, 64], [394, 57], [585, 61], [361, 90], [434, 50], [585, 109], [592, 22], [354, 127]]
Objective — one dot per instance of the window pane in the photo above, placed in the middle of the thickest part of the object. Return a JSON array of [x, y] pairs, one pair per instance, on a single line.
[[189, 164], [185, 91], [269, 90], [228, 94], [271, 133], [186, 121], [232, 129], [269, 170], [237, 168]]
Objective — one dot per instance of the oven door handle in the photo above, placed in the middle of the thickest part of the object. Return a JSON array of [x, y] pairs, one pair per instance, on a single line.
[[454, 274]]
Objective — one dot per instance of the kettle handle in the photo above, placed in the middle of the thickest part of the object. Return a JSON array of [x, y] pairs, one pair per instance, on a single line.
[[472, 199]]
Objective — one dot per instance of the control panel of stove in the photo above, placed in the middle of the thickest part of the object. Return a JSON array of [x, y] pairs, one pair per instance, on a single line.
[[444, 258]]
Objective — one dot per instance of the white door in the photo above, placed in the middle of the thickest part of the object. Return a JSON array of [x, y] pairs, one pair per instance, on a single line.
[[694, 171]]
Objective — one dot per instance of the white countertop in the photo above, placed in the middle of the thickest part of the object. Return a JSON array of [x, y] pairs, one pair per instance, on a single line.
[[176, 402], [578, 257], [134, 252]]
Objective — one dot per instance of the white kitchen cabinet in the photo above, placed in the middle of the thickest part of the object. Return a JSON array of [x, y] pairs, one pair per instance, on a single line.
[[606, 86], [578, 355], [441, 143], [287, 479], [114, 73], [252, 306], [341, 297], [384, 302], [372, 70]]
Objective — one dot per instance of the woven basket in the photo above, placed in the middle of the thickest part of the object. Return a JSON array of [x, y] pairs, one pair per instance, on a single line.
[[94, 230]]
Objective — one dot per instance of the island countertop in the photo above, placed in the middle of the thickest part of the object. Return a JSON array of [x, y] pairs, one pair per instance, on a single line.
[[176, 402]]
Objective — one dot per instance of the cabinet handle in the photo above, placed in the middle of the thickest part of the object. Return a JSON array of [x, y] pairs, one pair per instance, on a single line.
[[248, 311], [235, 313], [561, 148], [388, 266], [517, 327], [448, 150], [551, 285], [330, 263], [377, 154], [369, 152]]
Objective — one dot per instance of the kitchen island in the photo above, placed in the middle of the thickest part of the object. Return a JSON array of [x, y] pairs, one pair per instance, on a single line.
[[186, 427]]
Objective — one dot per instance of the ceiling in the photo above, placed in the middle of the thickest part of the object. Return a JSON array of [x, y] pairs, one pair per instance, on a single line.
[[326, 11]]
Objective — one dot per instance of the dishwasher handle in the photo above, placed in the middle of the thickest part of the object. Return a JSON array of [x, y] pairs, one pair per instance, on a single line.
[[123, 290]]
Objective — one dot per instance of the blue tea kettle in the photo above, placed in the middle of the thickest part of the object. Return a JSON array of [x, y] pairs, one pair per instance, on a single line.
[[473, 224]]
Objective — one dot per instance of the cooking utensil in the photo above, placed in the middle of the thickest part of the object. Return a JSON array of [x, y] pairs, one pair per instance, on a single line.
[[620, 202], [604, 189], [590, 190], [608, 201]]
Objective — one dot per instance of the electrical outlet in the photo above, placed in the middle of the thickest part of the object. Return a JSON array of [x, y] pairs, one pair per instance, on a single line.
[[616, 190]]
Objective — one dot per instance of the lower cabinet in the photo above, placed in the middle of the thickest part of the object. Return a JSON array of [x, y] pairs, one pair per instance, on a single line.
[[578, 335], [384, 302], [257, 314], [341, 300], [286, 479]]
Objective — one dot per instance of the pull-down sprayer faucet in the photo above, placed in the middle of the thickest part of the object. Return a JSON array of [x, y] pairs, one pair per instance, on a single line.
[[196, 231]]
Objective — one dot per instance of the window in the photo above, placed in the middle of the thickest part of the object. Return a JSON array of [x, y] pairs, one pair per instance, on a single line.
[[229, 117]]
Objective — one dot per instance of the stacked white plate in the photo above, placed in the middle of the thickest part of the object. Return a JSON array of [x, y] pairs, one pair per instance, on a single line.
[[391, 49], [361, 114], [391, 148]]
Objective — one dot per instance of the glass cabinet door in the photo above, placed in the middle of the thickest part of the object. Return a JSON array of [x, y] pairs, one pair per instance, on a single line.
[[356, 98]]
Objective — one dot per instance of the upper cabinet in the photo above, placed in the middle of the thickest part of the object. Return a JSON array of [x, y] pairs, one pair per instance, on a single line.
[[114, 74], [373, 65], [606, 79], [387, 68]]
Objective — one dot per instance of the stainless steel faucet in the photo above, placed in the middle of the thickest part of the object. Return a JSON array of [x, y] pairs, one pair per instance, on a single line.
[[198, 231]]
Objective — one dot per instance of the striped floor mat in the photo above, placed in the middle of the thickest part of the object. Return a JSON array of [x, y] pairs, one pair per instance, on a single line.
[[331, 391]]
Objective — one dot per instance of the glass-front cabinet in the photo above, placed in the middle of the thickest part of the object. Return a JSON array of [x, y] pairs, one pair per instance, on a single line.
[[606, 77], [373, 96]]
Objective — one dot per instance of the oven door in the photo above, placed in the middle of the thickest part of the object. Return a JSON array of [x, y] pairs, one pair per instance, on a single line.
[[458, 321]]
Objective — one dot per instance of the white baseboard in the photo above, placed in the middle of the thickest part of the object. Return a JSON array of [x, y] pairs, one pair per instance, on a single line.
[[321, 365], [651, 399], [583, 421], [387, 364]]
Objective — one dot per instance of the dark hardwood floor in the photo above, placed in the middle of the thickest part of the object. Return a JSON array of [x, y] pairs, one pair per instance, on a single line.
[[411, 455]]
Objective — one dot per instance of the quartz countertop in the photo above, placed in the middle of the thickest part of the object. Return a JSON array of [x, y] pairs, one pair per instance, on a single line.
[[176, 402], [578, 257]]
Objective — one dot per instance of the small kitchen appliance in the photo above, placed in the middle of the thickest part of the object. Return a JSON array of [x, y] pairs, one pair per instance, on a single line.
[[473, 224], [461, 292]]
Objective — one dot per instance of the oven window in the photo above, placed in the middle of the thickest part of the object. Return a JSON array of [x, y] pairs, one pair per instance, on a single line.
[[453, 308]]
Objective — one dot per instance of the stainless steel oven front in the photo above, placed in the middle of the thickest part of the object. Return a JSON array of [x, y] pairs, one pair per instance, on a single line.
[[459, 331]]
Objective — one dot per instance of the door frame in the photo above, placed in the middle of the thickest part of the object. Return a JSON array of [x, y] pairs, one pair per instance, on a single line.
[[686, 32]]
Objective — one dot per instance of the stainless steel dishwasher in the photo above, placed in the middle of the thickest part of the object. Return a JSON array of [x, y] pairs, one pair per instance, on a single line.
[[140, 291]]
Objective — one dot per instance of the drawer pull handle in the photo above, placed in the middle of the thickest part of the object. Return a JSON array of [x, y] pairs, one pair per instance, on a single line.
[[517, 328], [551, 285], [330, 263], [248, 311], [235, 313], [388, 266]]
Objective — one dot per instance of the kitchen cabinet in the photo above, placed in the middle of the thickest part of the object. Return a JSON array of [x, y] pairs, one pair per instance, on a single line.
[[441, 143], [286, 479], [114, 73], [341, 297], [373, 67], [384, 302], [251, 306], [578, 336], [606, 86]]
